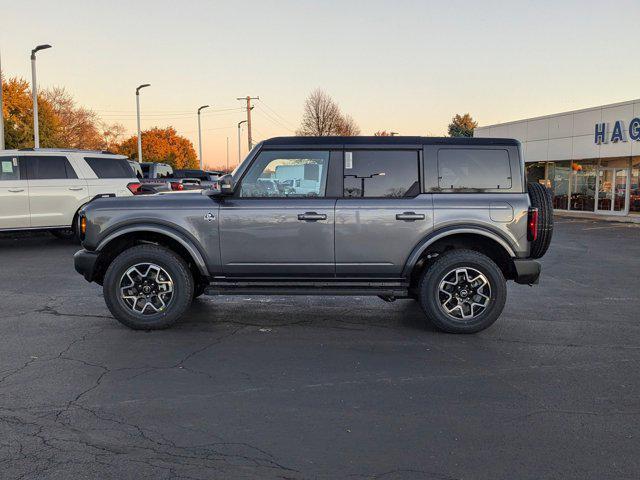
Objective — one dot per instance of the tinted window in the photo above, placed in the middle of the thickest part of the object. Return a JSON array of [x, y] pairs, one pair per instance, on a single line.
[[110, 167], [381, 173], [475, 169], [9, 168], [145, 169], [48, 168], [287, 174], [164, 171]]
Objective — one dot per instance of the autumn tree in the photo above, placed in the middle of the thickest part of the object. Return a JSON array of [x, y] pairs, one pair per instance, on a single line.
[[462, 126], [162, 145], [18, 116], [322, 117]]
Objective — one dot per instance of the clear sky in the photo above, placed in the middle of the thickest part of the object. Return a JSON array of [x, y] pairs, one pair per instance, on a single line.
[[406, 66]]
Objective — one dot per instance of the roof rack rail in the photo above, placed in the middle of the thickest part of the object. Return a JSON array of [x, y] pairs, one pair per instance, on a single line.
[[68, 150]]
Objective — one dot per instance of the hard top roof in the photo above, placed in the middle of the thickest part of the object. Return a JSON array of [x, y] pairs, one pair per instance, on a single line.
[[395, 140]]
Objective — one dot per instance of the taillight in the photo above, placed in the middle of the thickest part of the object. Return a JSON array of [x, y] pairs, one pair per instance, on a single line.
[[134, 187], [532, 225], [177, 186]]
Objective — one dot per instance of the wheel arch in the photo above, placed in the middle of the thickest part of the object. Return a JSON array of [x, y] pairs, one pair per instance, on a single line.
[[118, 241], [471, 238]]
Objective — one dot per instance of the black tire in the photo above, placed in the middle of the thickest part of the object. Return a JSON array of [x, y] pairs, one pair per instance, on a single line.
[[179, 273], [541, 198], [66, 234], [430, 296]]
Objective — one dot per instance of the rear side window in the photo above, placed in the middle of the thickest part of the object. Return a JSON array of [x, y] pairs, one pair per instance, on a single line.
[[164, 171], [381, 173], [9, 168], [145, 170], [473, 169], [110, 167], [48, 168]]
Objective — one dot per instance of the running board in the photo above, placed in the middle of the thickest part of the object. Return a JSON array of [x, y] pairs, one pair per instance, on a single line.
[[389, 289]]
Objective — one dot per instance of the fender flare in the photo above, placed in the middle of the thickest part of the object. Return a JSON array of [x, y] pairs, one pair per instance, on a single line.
[[437, 235], [162, 230]]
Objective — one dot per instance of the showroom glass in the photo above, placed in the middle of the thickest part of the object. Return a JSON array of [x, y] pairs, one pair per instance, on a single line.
[[9, 168], [381, 173], [473, 169], [110, 167], [634, 186], [583, 185], [286, 173], [560, 184], [48, 168]]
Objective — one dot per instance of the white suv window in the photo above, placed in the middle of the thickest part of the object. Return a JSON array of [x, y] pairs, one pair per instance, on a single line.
[[48, 167], [9, 168]]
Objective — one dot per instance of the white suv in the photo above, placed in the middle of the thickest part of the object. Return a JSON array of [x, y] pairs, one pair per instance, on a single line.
[[43, 189]]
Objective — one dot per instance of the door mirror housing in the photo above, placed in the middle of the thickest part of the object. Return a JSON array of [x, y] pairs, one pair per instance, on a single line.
[[224, 186]]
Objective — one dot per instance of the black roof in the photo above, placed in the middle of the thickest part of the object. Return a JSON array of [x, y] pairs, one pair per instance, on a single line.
[[395, 140]]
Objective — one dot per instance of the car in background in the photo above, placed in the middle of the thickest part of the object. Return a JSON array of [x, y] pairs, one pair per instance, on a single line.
[[205, 179], [43, 189], [162, 177]]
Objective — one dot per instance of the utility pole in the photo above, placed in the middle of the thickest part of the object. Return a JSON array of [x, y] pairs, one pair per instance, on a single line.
[[200, 134], [249, 108], [239, 136], [138, 117], [1, 109], [227, 154], [34, 91]]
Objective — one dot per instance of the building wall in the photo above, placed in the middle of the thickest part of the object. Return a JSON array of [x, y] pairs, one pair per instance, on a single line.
[[570, 135]]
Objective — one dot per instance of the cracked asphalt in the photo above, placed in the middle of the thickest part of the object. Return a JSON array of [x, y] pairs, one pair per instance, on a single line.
[[305, 388]]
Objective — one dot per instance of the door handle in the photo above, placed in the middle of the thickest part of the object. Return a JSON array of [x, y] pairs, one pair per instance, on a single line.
[[311, 216], [16, 190], [410, 216], [76, 189]]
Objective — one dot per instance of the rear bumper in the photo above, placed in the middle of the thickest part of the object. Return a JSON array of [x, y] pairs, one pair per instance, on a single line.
[[84, 262], [527, 271]]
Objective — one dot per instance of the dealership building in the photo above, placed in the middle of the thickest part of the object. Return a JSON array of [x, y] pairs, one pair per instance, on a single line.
[[589, 158]]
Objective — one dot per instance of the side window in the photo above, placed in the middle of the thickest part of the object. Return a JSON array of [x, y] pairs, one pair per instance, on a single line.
[[9, 168], [381, 173], [287, 173], [473, 169], [48, 168], [105, 167]]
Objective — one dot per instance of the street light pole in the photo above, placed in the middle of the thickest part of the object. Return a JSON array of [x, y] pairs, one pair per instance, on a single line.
[[140, 87], [227, 154], [34, 91], [200, 134], [239, 135]]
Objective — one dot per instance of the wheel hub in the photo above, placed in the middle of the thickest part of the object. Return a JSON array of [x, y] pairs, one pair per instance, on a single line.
[[464, 293], [146, 289]]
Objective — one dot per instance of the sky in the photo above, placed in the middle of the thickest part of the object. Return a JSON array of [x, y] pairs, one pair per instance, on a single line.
[[404, 66]]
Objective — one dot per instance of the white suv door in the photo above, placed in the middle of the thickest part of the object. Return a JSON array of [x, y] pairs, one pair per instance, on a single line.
[[55, 191], [14, 194]]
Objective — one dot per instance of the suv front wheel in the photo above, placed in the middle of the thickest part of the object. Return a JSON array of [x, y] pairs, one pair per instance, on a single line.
[[463, 291], [148, 287]]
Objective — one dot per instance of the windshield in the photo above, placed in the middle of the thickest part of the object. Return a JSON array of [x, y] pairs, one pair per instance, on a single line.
[[237, 172]]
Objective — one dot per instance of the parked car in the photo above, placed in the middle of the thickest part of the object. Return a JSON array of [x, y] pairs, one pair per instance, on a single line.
[[162, 177], [43, 189], [445, 221], [204, 179]]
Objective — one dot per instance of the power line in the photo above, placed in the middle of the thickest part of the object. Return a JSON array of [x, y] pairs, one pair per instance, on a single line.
[[262, 103], [274, 120]]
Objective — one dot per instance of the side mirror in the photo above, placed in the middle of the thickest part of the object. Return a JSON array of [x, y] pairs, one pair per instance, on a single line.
[[223, 186]]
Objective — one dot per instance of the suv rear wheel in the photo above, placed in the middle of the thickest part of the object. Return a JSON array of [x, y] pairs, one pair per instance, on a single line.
[[148, 287], [463, 291]]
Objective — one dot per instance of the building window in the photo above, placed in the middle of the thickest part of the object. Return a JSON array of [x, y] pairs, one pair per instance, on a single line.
[[559, 175], [583, 185], [634, 186]]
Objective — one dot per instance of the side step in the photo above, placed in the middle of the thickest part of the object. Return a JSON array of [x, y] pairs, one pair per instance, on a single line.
[[388, 289]]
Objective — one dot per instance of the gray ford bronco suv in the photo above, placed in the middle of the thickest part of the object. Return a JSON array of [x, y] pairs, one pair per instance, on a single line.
[[444, 221]]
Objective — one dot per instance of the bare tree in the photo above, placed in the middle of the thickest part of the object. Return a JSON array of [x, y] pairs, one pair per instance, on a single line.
[[348, 127], [322, 117], [111, 135], [382, 133], [78, 125]]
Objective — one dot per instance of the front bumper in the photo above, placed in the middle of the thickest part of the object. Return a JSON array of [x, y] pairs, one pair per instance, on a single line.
[[85, 263], [527, 271]]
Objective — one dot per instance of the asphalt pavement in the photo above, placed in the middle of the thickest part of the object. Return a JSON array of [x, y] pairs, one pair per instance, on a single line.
[[329, 388]]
